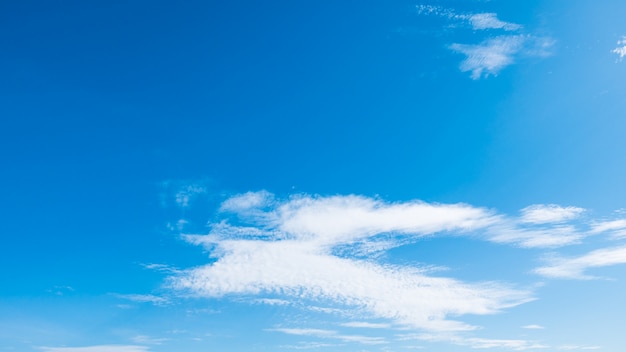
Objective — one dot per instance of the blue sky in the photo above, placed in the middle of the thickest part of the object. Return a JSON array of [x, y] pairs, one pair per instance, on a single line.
[[305, 175]]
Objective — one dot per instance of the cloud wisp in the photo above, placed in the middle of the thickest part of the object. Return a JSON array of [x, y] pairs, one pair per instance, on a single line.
[[315, 251], [478, 21], [332, 334], [574, 268], [500, 43], [620, 50], [98, 348], [289, 250]]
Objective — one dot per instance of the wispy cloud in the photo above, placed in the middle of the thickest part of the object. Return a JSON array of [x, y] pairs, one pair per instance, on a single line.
[[477, 343], [143, 298], [495, 49], [182, 193], [98, 348], [509, 232], [478, 21], [331, 334], [621, 48], [145, 339], [313, 252], [617, 228], [297, 260], [363, 324], [574, 268], [490, 56], [577, 347], [491, 21], [549, 213], [533, 327]]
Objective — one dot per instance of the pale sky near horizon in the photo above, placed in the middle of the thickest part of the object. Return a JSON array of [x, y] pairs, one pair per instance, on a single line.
[[312, 175]]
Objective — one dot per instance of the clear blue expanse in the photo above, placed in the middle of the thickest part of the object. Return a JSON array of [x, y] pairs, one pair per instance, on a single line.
[[312, 175]]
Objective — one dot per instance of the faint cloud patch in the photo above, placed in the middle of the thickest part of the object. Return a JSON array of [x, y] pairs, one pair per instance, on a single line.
[[533, 327], [549, 213], [478, 21], [182, 193], [574, 268], [331, 334], [490, 56], [492, 53], [98, 348], [141, 298], [491, 21], [621, 49], [149, 340]]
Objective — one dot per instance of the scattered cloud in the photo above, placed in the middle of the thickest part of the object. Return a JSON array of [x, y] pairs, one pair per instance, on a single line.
[[309, 345], [98, 348], [187, 193], [314, 251], [477, 343], [141, 298], [61, 290], [617, 228], [490, 56], [494, 49], [273, 301], [491, 21], [549, 213], [148, 340], [576, 347], [363, 324], [163, 268], [533, 327], [182, 193], [296, 259], [478, 21], [574, 268], [533, 237], [621, 48], [331, 334], [247, 201]]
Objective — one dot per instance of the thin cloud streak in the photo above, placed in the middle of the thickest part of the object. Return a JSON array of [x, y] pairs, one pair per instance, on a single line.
[[478, 21], [296, 259], [574, 268], [621, 49], [490, 56], [98, 348], [549, 213]]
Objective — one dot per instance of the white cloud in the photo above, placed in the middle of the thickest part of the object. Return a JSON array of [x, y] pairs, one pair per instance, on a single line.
[[490, 56], [549, 213], [98, 348], [574, 268], [148, 340], [617, 228], [141, 298], [246, 201], [621, 48], [306, 251], [331, 334], [576, 347], [544, 237], [533, 327], [187, 193], [478, 21], [297, 261], [491, 21], [273, 301], [478, 343], [363, 324]]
